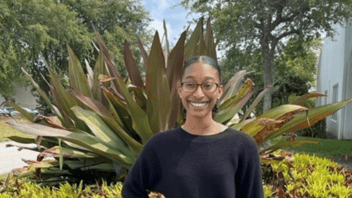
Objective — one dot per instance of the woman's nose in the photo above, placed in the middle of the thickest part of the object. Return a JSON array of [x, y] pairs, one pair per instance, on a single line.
[[198, 92]]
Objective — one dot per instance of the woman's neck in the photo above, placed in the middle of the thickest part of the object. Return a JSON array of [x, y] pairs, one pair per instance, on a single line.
[[203, 126]]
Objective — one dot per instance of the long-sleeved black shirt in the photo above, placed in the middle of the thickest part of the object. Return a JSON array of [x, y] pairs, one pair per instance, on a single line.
[[182, 165]]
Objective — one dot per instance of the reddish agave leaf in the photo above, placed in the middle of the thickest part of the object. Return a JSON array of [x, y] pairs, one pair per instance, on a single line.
[[23, 112], [174, 72], [99, 69], [209, 41], [144, 54], [302, 99], [157, 88], [131, 66], [201, 48], [193, 41]]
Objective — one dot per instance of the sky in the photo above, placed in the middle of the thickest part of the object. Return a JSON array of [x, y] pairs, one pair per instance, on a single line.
[[175, 18]]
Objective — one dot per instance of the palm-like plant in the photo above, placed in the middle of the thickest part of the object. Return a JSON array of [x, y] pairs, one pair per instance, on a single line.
[[103, 120]]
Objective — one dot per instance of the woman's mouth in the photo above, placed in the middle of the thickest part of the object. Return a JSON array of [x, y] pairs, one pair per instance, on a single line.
[[198, 104]]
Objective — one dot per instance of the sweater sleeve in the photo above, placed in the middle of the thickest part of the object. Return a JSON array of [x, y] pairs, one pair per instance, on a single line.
[[248, 175], [142, 174]]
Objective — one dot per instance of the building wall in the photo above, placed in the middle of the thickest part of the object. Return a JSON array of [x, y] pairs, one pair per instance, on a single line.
[[347, 89], [331, 70], [23, 97]]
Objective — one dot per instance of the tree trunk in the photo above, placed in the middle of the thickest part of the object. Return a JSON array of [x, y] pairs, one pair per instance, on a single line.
[[268, 76]]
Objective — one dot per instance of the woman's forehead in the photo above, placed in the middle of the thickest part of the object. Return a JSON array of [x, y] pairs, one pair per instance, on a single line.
[[200, 70]]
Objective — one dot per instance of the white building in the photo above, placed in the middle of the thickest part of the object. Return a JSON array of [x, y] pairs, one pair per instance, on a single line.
[[23, 97], [335, 80]]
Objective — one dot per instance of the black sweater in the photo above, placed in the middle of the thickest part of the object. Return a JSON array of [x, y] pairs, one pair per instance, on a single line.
[[182, 165]]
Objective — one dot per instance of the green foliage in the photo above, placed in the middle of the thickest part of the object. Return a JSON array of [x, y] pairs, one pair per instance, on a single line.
[[40, 30], [25, 188], [310, 176]]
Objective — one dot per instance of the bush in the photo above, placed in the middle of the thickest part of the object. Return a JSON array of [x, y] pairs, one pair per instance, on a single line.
[[306, 176], [24, 188]]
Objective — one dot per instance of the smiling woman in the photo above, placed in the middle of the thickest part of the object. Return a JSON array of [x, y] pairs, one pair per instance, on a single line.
[[202, 158]]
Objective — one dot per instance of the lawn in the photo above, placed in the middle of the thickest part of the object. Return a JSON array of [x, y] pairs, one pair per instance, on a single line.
[[337, 150], [6, 131]]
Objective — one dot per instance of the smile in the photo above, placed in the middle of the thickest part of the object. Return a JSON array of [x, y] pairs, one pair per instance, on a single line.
[[198, 104]]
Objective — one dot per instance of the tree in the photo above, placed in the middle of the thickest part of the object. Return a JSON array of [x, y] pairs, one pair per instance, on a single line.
[[264, 24], [41, 30]]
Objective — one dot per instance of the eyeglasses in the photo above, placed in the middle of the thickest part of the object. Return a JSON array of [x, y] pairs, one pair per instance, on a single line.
[[206, 87]]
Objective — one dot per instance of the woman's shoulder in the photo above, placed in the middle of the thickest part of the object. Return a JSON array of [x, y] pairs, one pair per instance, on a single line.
[[162, 136], [241, 137]]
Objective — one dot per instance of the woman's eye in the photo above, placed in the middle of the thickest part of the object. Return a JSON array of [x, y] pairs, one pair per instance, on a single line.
[[208, 85], [190, 85]]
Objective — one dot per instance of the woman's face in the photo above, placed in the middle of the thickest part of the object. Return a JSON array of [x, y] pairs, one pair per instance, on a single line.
[[198, 103]]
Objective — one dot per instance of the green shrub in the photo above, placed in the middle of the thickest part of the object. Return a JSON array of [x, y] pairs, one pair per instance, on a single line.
[[307, 176], [24, 188]]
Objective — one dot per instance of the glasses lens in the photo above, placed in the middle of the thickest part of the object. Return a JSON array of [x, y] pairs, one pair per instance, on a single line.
[[189, 87], [209, 87]]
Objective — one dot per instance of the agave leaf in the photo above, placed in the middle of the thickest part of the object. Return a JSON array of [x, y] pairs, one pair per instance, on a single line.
[[99, 69], [23, 112], [239, 125], [101, 130], [131, 66], [272, 120], [233, 85], [78, 137], [305, 120], [42, 164], [201, 47], [120, 108], [157, 88], [302, 99], [110, 64], [66, 152], [193, 41], [144, 54], [61, 156], [167, 51], [78, 78], [209, 41], [288, 143], [139, 96], [109, 119], [255, 103], [64, 100], [90, 72], [140, 121], [40, 91], [174, 72], [230, 107]]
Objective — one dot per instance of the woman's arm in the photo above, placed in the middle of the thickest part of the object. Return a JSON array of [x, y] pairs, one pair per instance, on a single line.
[[142, 174], [248, 175]]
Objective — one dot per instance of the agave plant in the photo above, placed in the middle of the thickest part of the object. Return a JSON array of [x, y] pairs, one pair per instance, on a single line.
[[102, 122]]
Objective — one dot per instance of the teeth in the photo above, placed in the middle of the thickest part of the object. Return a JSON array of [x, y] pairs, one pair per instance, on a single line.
[[198, 104]]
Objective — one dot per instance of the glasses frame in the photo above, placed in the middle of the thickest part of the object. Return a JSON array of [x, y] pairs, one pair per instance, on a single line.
[[217, 86]]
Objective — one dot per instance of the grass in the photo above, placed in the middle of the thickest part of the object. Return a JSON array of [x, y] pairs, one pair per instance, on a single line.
[[337, 150], [6, 131]]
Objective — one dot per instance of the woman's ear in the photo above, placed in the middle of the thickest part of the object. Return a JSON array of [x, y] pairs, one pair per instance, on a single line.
[[179, 87], [221, 90]]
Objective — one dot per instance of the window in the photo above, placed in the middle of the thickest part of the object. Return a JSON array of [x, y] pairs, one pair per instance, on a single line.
[[335, 90]]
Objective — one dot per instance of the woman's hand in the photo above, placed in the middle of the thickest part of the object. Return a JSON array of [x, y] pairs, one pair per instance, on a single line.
[[156, 195]]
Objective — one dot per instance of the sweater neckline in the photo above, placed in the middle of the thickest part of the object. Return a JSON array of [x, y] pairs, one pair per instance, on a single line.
[[201, 138]]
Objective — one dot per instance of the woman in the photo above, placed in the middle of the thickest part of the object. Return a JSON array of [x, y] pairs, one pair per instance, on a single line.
[[202, 158]]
